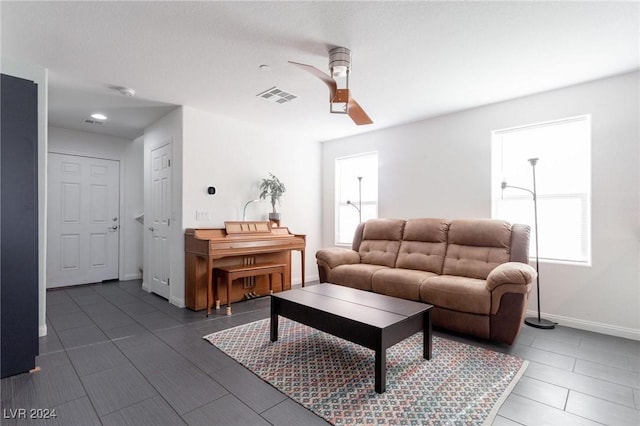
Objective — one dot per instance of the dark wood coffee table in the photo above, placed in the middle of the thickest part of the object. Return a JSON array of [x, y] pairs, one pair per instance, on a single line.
[[368, 319]]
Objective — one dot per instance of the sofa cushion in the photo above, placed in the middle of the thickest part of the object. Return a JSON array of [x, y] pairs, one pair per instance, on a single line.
[[383, 229], [383, 253], [381, 241], [457, 293], [355, 276], [424, 245], [476, 247], [396, 282]]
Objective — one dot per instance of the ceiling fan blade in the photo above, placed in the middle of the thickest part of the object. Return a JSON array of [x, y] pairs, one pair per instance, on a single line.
[[340, 96], [326, 78], [357, 114]]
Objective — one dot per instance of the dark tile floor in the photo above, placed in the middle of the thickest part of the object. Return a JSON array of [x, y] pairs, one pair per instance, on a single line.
[[116, 355]]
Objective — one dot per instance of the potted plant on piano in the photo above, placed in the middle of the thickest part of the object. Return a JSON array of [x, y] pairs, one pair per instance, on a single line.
[[272, 188]]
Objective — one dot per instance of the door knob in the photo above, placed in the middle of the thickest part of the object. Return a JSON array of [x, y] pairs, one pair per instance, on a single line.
[[114, 227], [115, 219], [151, 229]]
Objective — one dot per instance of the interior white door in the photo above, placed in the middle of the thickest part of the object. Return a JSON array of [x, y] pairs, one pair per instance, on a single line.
[[83, 220], [160, 220]]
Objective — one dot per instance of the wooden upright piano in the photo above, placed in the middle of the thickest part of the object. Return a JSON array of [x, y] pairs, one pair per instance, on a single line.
[[239, 243]]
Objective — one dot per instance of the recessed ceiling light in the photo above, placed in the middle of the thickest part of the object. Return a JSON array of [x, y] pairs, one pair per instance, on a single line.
[[126, 91], [99, 116]]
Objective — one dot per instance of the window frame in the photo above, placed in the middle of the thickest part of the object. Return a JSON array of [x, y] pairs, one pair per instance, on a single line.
[[583, 197], [338, 204]]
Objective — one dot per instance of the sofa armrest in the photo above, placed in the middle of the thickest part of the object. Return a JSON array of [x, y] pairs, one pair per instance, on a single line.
[[336, 256], [511, 273]]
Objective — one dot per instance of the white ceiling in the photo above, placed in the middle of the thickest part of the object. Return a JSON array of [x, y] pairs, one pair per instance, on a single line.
[[411, 60]]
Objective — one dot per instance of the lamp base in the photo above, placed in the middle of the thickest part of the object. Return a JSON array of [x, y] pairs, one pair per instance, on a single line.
[[540, 323]]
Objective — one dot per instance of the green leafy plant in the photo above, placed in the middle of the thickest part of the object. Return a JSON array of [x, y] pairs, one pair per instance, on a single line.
[[273, 188]]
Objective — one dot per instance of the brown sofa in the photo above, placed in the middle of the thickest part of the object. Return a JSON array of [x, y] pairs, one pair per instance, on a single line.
[[473, 271]]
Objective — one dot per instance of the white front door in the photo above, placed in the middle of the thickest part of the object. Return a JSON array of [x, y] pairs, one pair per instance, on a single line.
[[159, 220], [83, 220]]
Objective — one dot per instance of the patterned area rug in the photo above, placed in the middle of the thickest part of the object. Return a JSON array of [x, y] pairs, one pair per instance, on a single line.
[[334, 378]]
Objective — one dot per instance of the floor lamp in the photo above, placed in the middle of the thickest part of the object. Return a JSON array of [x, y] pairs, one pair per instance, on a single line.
[[536, 322], [359, 206]]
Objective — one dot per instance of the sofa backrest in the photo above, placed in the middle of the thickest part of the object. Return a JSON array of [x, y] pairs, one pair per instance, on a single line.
[[520, 235], [381, 241], [471, 247], [424, 245], [477, 246], [357, 237]]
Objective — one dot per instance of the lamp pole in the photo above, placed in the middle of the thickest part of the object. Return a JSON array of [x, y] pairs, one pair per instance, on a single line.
[[359, 206], [531, 321], [359, 198]]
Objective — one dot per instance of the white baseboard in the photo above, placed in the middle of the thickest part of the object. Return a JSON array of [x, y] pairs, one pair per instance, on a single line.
[[307, 279], [596, 327], [133, 276], [177, 302], [42, 330]]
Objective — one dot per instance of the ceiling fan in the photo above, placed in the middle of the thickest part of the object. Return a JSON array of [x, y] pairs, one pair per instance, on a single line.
[[340, 100]]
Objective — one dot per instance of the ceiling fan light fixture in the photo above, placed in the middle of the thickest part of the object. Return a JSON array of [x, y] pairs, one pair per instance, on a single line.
[[340, 100], [339, 71], [340, 62]]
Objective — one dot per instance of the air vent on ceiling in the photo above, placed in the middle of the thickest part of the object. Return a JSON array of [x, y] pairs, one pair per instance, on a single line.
[[278, 95], [96, 122]]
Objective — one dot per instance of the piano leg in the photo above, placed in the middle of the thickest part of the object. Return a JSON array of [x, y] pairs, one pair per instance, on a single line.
[[229, 281], [210, 280], [302, 266], [216, 289]]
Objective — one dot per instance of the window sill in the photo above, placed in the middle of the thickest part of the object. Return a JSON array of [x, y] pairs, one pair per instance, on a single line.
[[532, 261]]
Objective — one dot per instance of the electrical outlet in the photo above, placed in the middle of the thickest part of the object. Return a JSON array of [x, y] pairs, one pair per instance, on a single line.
[[202, 215]]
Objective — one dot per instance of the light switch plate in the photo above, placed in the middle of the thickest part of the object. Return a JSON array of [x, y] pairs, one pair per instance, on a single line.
[[202, 215]]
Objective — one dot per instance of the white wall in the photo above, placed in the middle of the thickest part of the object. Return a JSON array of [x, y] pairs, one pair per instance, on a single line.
[[234, 157], [40, 76], [133, 207], [129, 154], [441, 167]]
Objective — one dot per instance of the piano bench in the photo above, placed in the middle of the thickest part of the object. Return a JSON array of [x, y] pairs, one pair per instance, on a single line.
[[233, 272]]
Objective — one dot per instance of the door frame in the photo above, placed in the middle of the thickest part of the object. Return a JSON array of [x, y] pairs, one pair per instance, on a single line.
[[121, 209]]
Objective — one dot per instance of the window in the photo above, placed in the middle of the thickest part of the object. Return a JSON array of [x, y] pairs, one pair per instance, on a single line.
[[563, 176], [356, 193]]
